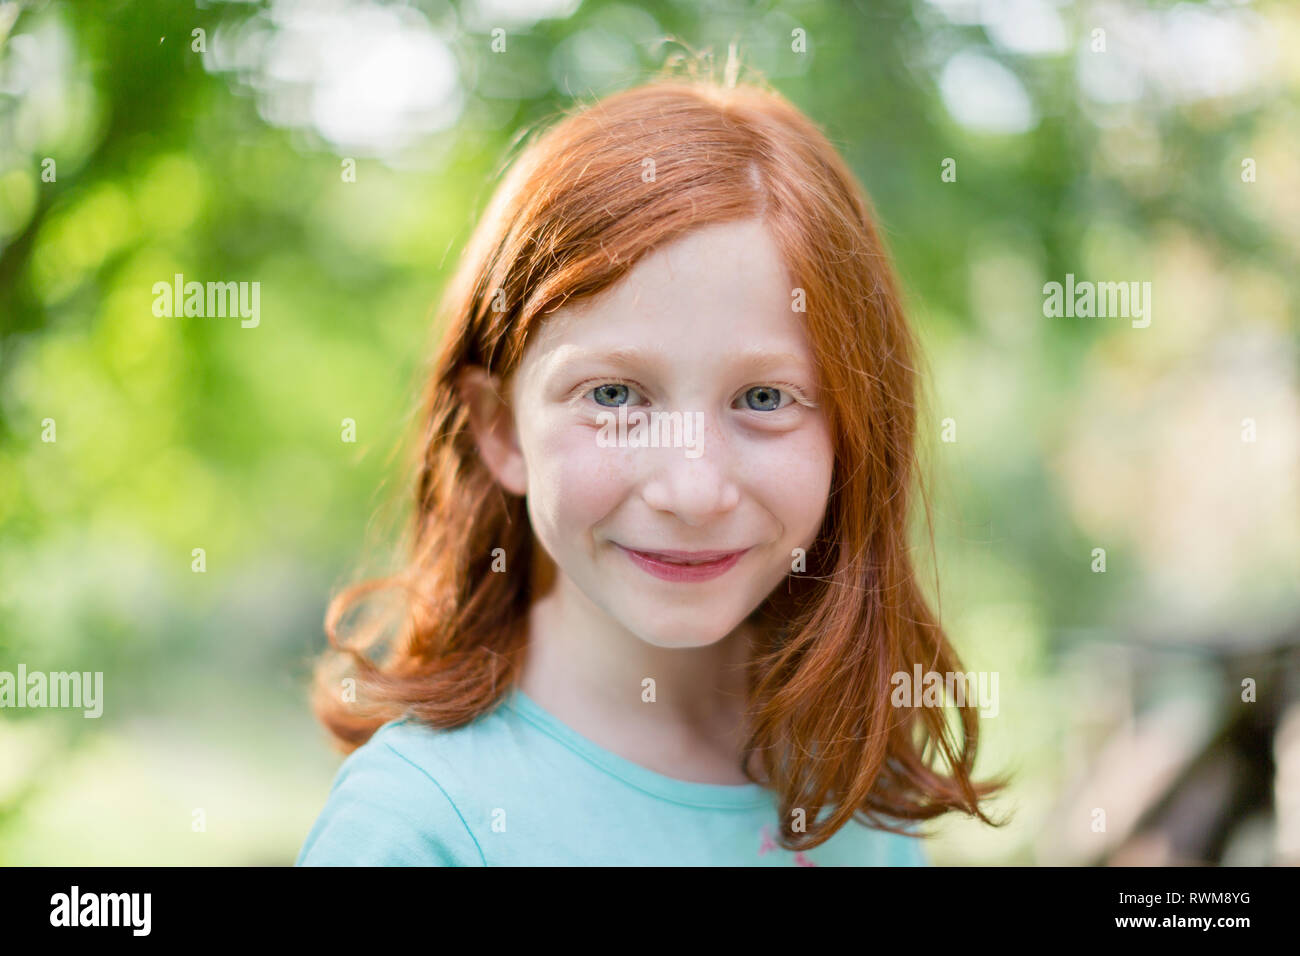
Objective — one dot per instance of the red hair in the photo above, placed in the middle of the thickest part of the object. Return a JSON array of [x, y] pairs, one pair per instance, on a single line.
[[573, 215]]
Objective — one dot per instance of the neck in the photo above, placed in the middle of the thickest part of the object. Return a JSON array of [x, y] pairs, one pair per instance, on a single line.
[[591, 673]]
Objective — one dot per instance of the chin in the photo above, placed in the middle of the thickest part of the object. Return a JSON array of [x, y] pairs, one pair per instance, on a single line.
[[692, 633]]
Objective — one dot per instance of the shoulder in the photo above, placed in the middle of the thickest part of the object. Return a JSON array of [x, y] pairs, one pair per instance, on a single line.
[[388, 806]]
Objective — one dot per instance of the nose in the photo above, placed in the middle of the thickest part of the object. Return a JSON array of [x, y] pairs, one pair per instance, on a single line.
[[695, 490]]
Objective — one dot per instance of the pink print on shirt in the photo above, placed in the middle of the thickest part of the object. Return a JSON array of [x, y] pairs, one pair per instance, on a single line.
[[767, 845]]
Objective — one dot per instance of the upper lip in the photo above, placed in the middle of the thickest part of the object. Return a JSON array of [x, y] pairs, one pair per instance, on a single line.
[[688, 555]]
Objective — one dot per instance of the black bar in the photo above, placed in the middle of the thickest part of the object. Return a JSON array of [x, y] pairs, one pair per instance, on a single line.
[[970, 903]]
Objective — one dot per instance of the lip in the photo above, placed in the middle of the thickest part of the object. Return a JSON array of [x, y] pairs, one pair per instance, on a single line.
[[715, 563]]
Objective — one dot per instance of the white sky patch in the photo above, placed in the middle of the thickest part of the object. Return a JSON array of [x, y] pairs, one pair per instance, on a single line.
[[1032, 27], [516, 14], [982, 94], [369, 78], [1178, 55]]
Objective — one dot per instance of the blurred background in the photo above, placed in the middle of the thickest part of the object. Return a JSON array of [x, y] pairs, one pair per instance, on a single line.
[[338, 152]]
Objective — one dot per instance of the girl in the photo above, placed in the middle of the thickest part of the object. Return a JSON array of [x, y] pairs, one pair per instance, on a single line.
[[659, 577]]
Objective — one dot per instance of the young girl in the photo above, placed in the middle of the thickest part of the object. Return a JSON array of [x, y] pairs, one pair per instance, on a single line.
[[663, 644]]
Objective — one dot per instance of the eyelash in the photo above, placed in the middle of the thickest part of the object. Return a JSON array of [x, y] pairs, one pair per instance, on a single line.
[[792, 390]]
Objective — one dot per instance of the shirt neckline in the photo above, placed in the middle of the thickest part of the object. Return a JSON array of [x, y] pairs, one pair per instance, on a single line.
[[687, 792]]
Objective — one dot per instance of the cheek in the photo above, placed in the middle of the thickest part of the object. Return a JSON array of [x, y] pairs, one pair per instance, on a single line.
[[794, 476], [573, 483]]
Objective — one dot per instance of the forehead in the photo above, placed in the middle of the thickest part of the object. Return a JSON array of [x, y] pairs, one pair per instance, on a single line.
[[716, 289]]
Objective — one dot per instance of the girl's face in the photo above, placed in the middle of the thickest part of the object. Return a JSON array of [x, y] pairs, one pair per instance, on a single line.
[[704, 328]]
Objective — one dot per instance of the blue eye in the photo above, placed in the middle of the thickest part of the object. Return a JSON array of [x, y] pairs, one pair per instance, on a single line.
[[616, 393], [763, 398]]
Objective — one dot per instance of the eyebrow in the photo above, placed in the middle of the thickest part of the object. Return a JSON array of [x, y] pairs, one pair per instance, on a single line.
[[752, 357]]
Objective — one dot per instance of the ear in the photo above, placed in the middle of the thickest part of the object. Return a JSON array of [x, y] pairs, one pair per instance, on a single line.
[[493, 426]]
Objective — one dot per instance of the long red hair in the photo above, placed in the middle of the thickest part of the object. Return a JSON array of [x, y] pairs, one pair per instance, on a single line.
[[573, 214]]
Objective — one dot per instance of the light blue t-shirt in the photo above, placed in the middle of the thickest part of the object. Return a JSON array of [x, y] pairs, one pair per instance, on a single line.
[[516, 787]]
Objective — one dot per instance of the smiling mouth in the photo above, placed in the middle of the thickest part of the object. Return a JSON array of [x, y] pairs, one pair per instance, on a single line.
[[688, 558], [684, 565]]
